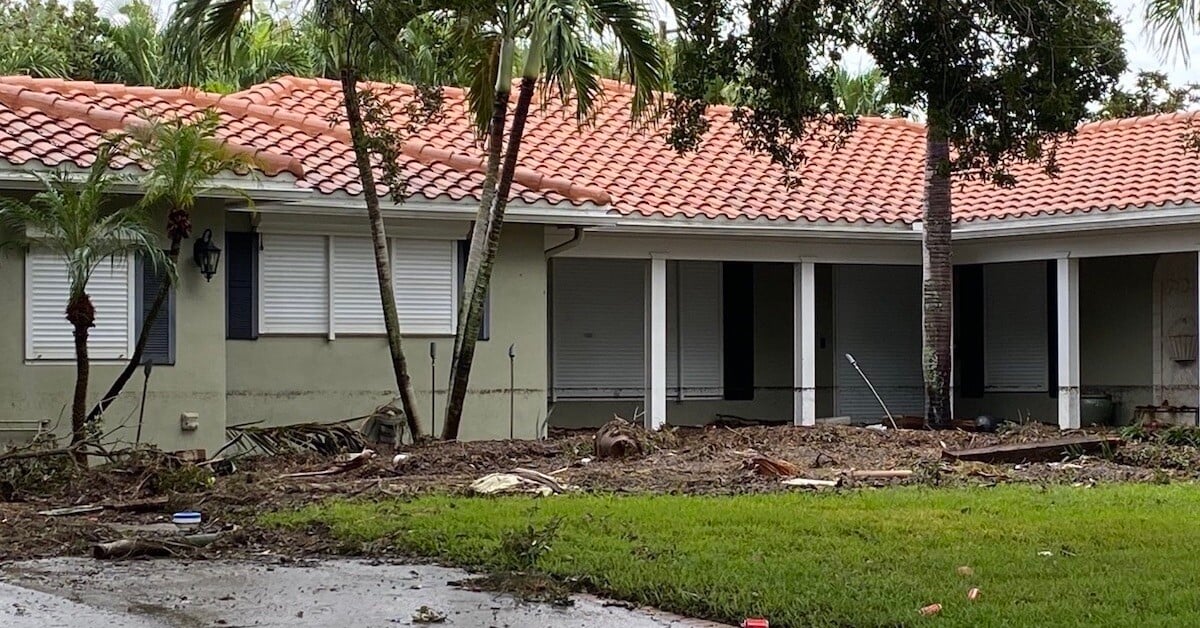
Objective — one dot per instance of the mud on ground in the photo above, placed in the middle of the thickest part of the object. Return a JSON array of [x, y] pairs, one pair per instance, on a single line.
[[700, 461]]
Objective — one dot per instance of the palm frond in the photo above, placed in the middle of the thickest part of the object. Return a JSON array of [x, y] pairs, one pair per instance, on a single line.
[[1170, 21], [630, 23]]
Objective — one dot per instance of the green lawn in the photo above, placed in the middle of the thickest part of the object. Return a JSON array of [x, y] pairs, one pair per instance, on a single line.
[[1122, 555]]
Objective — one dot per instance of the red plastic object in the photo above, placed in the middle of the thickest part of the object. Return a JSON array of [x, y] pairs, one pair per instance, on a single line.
[[755, 622]]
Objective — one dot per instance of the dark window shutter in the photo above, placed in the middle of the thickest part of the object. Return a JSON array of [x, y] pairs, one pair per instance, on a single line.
[[968, 329], [738, 333], [464, 251], [160, 343], [241, 285]]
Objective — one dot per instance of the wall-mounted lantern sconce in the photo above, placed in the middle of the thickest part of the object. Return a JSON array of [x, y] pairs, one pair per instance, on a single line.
[[207, 255]]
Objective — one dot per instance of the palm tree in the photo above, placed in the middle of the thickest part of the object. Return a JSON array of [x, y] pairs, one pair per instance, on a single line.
[[863, 94], [182, 158], [359, 38], [82, 223], [132, 52], [562, 40]]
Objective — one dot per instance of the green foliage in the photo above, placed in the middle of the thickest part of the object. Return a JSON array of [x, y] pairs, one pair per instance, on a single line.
[[1003, 80], [1152, 94], [83, 222], [182, 157], [864, 558], [775, 63], [864, 94], [187, 478], [522, 547], [47, 39], [39, 476]]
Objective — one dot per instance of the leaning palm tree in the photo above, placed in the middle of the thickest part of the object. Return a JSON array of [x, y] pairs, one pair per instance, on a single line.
[[83, 223], [182, 158], [564, 49]]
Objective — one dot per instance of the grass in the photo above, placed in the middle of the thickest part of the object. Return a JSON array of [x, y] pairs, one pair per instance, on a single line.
[[1120, 554]]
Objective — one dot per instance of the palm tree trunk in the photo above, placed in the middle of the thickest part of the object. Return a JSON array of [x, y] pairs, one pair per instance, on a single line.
[[383, 264], [82, 316], [461, 368], [937, 297], [143, 339], [495, 147]]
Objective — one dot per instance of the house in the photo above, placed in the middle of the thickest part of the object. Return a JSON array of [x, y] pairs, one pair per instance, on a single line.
[[630, 278]]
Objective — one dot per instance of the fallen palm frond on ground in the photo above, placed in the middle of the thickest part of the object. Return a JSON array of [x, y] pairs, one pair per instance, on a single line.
[[326, 439]]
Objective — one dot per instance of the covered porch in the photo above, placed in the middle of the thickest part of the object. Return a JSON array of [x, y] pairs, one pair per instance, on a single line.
[[686, 341]]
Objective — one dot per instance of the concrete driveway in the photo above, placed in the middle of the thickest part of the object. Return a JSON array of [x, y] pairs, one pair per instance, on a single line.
[[77, 592]]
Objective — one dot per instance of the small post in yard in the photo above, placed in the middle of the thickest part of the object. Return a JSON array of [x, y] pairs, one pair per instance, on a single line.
[[512, 357], [147, 366], [433, 388]]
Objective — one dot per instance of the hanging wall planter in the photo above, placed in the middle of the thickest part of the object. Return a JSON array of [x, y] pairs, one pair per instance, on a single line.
[[1182, 347]]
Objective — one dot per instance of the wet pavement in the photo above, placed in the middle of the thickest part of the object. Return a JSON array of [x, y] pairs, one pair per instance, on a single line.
[[149, 594]]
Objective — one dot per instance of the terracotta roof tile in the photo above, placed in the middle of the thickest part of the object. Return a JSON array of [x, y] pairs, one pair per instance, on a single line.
[[875, 176]]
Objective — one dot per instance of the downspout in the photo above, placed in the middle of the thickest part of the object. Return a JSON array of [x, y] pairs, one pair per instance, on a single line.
[[576, 240]]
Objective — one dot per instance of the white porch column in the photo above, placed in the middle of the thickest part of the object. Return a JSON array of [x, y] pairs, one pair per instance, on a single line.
[[656, 344], [804, 371], [1068, 343]]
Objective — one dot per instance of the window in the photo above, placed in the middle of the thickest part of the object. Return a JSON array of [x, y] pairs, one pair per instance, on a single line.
[[328, 285], [599, 328], [1015, 327], [160, 344], [48, 335]]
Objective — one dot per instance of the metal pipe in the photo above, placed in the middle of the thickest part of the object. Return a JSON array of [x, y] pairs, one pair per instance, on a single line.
[[147, 366], [575, 241], [512, 405], [433, 389], [872, 387]]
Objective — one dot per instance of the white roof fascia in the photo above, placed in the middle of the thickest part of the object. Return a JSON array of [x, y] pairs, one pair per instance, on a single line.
[[226, 185], [518, 210], [1096, 220], [765, 228]]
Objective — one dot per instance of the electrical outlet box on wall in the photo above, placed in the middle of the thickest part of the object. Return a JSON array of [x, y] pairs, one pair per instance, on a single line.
[[189, 421]]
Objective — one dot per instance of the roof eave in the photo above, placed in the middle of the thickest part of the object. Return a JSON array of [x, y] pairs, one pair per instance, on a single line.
[[227, 186], [519, 210], [1099, 219]]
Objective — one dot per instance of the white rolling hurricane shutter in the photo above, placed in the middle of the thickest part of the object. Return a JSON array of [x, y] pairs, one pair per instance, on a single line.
[[294, 290], [599, 308], [1015, 350], [424, 274], [878, 321], [50, 336], [694, 321], [356, 304], [599, 328]]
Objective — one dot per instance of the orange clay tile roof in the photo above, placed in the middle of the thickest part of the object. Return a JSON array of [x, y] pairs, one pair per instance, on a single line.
[[875, 177]]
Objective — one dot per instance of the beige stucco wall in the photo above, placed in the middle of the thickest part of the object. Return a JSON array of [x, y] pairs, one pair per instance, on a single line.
[[1116, 343], [773, 333], [196, 383], [288, 379], [1174, 296]]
